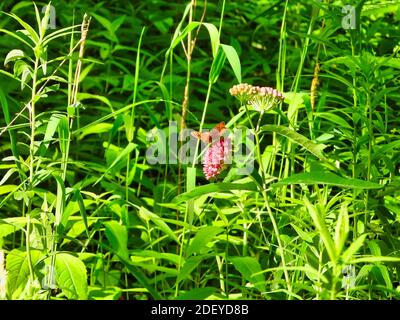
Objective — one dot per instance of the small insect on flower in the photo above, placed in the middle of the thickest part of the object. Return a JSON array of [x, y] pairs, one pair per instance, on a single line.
[[211, 136], [218, 152]]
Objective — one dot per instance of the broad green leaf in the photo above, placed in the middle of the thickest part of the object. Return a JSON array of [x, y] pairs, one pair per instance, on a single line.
[[354, 247], [374, 259], [128, 149], [183, 34], [71, 276], [202, 238], [78, 197], [76, 230], [174, 258], [12, 133], [97, 128], [14, 54], [306, 236], [141, 278], [212, 30], [18, 270], [116, 24], [315, 149], [148, 215], [334, 118], [234, 61], [32, 33], [45, 20], [7, 175], [135, 272], [342, 228], [8, 189], [14, 35], [212, 188], [250, 270], [60, 203], [88, 96], [118, 237], [197, 294], [190, 264], [101, 293], [63, 135], [328, 178], [319, 222], [214, 37], [50, 130], [217, 65], [385, 275]]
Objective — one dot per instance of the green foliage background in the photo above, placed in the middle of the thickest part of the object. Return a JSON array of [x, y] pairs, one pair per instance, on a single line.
[[83, 215]]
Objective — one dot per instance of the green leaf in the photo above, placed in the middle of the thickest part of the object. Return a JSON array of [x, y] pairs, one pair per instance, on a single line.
[[148, 215], [319, 222], [18, 270], [45, 21], [250, 270], [33, 35], [12, 133], [374, 259], [14, 55], [354, 247], [190, 264], [234, 61], [183, 34], [212, 188], [71, 276], [334, 118], [328, 178], [202, 238], [60, 202], [7, 189], [14, 35], [214, 37], [174, 258], [97, 129], [342, 228], [197, 294], [217, 65], [50, 130], [128, 149], [315, 149], [63, 135], [78, 197], [118, 237]]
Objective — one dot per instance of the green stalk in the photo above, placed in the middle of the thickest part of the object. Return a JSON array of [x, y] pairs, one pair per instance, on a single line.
[[31, 163], [266, 200], [130, 138]]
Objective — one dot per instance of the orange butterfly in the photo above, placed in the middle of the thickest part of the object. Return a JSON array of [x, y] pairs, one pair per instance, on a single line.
[[209, 137]]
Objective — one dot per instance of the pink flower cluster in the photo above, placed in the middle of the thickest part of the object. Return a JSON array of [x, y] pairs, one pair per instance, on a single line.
[[259, 98], [215, 158]]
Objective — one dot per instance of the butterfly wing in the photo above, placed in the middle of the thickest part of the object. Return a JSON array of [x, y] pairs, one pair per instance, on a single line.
[[218, 130], [201, 136], [214, 134]]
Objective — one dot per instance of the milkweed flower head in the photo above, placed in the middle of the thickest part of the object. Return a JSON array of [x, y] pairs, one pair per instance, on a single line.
[[3, 276], [258, 98], [216, 157]]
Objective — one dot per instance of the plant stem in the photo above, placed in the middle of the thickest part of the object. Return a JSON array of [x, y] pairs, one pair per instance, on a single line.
[[266, 200]]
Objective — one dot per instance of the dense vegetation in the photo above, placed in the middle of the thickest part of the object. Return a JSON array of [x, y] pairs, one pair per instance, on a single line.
[[88, 207]]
